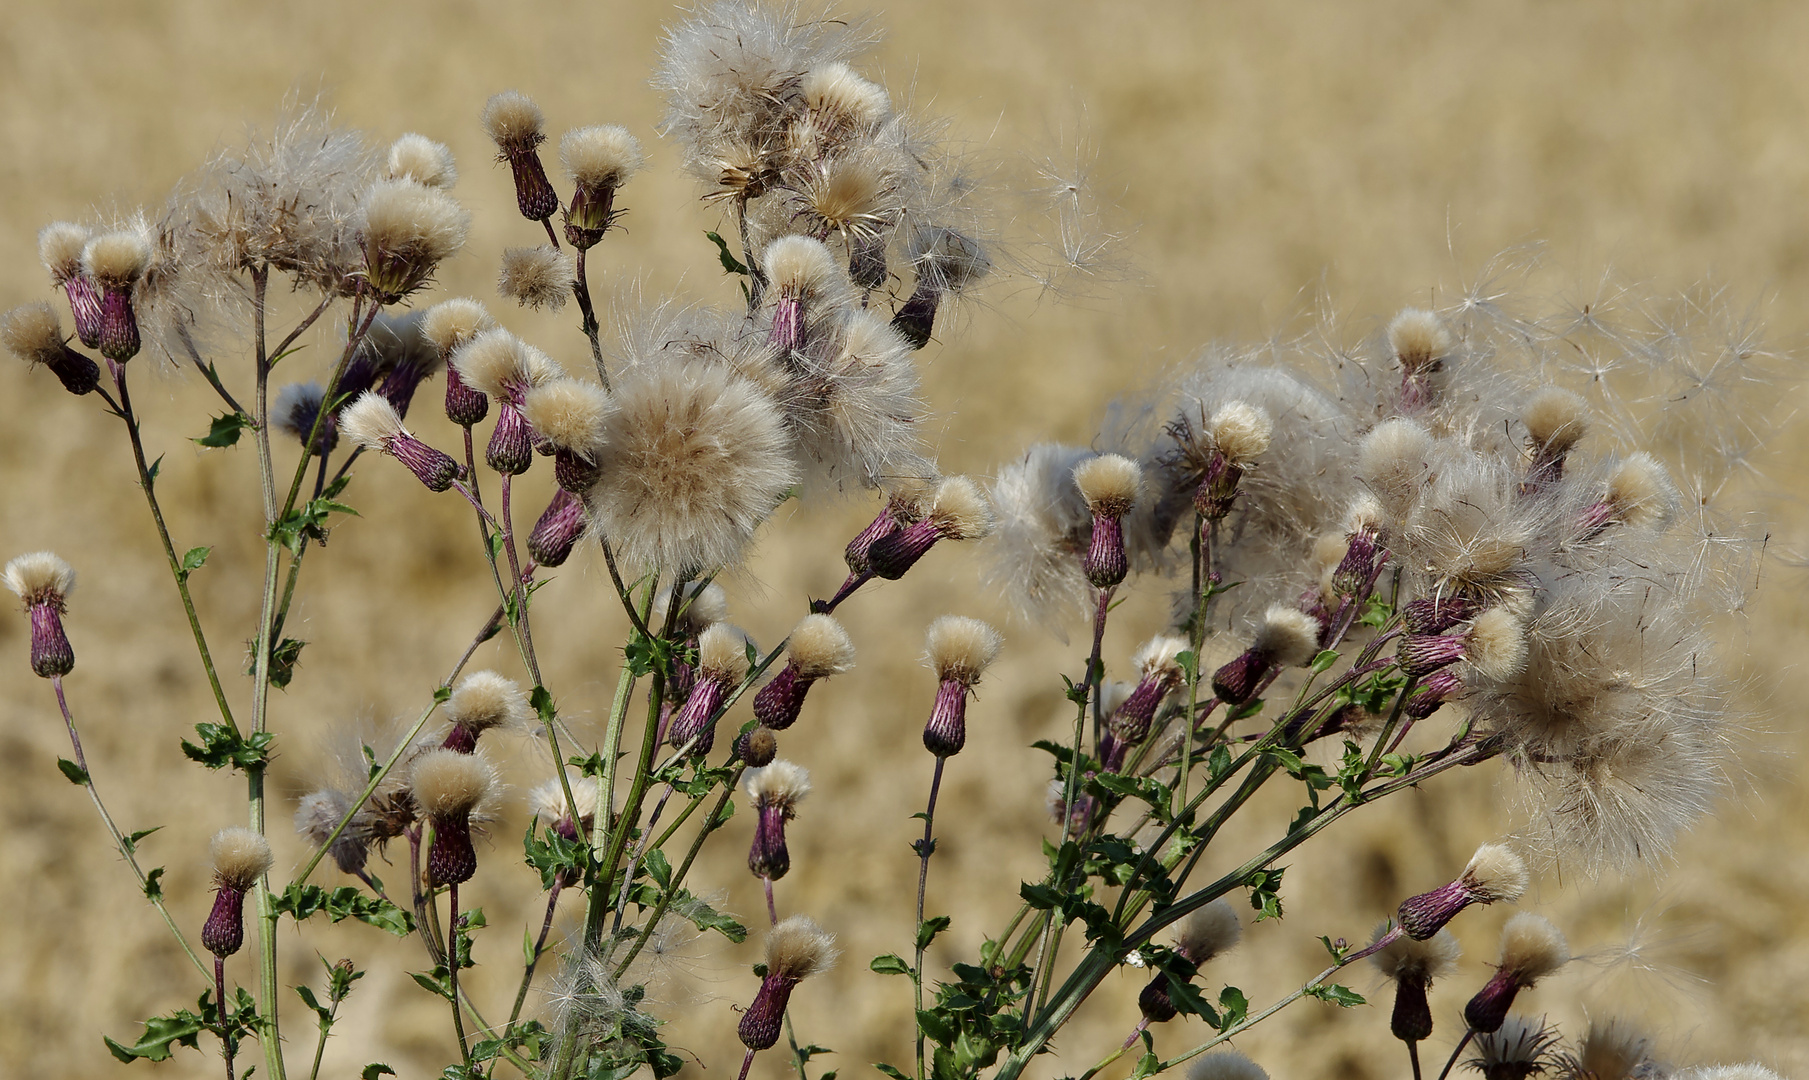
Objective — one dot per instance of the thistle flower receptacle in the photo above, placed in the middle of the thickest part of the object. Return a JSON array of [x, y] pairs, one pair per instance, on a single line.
[[34, 334], [372, 423], [60, 246], [598, 160], [482, 701], [1159, 673], [569, 416], [1207, 933], [775, 790], [796, 949], [1421, 345], [959, 511], [295, 411], [558, 530], [1493, 874], [721, 666], [44, 581], [1531, 949], [448, 786], [408, 230], [960, 650], [1110, 484], [1286, 637], [515, 124], [240, 857], [115, 262], [817, 649], [1412, 966]]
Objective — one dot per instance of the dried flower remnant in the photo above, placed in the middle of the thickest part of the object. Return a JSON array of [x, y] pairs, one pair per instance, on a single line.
[[1521, 1048], [320, 811], [805, 286], [34, 334], [1159, 672], [449, 787], [1285, 638], [1494, 645], [537, 277], [817, 649], [44, 581], [515, 124], [482, 701], [240, 858], [1555, 420], [946, 261], [569, 416], [1207, 933], [1495, 873], [447, 326], [372, 423], [60, 247], [598, 160], [959, 511], [1531, 949], [1421, 346], [796, 949], [115, 262], [1613, 1049], [775, 791], [501, 366], [408, 230], [959, 649], [722, 664], [1412, 965], [420, 159]]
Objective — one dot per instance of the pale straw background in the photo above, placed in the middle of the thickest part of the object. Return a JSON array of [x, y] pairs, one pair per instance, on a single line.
[[1256, 153]]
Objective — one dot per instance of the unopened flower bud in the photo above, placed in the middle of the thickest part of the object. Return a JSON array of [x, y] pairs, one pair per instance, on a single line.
[[44, 581], [448, 786], [1434, 690], [240, 858], [372, 423], [817, 649], [721, 665], [1159, 673], [758, 747], [1110, 484], [558, 530], [796, 949], [514, 124], [906, 505], [1494, 873], [960, 650], [116, 261], [34, 334]]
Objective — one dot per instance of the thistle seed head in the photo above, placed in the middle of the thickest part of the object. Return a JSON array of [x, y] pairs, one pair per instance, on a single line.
[[537, 277], [40, 579], [60, 247], [240, 857], [448, 785], [960, 649], [1225, 1065], [116, 260], [1241, 432], [798, 949], [820, 648], [420, 159], [484, 700], [408, 230], [451, 323], [502, 366], [1209, 932]]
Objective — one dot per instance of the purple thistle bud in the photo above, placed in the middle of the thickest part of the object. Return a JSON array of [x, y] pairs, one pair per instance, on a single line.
[[1358, 567], [240, 858], [696, 719], [1436, 614], [224, 932], [769, 857], [788, 324], [433, 468], [534, 194], [51, 654], [1218, 488], [461, 740], [119, 325], [85, 308], [1105, 563], [946, 732], [760, 1025], [400, 384], [511, 449], [1422, 654], [887, 522], [960, 650], [778, 703], [514, 123], [1237, 681], [451, 860], [573, 472], [1432, 693], [1130, 722], [1157, 1005], [758, 747], [1531, 948], [1494, 873], [464, 405], [78, 374], [893, 554], [1488, 1010], [721, 665], [590, 215], [1411, 1020], [44, 581], [558, 530], [917, 317]]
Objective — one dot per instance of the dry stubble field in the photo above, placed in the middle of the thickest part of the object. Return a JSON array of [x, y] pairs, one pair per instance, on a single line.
[[1256, 154]]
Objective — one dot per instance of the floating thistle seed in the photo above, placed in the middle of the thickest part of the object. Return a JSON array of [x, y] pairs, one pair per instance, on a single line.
[[419, 158], [1209, 932], [319, 812], [296, 409], [1555, 421], [796, 949], [44, 581], [1412, 966], [817, 649], [775, 791], [499, 364], [558, 530], [1225, 1065], [959, 511], [960, 650], [537, 277], [448, 325], [34, 334], [1159, 672], [60, 246], [1494, 644], [1494, 873], [1520, 1049], [758, 747], [1240, 433], [408, 230], [447, 787], [372, 423], [481, 701], [116, 261], [1639, 495], [1110, 484], [1531, 949], [1285, 638], [1421, 345], [906, 505], [514, 123], [721, 665], [804, 279], [569, 415], [598, 159], [240, 858]]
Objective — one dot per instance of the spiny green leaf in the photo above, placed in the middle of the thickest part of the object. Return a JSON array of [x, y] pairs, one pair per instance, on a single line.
[[225, 430], [192, 560], [131, 841], [889, 964], [161, 1034], [730, 264], [930, 927], [1342, 996], [153, 884], [76, 774], [374, 1070], [1324, 661]]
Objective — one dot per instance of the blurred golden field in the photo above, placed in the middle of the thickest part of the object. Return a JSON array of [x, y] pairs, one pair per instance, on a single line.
[[1255, 154]]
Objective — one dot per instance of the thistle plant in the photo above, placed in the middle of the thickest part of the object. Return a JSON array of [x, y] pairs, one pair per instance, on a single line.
[[1481, 534]]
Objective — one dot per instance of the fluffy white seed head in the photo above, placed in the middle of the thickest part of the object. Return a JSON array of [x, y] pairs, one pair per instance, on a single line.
[[1209, 932], [695, 458], [782, 784], [961, 510], [570, 414], [117, 259], [1555, 419], [450, 323], [1225, 1065], [1418, 961], [819, 647], [1393, 459], [1240, 431], [512, 120], [297, 404], [701, 607], [483, 700], [419, 158], [537, 277], [33, 333], [371, 421], [1497, 649], [1110, 483], [60, 246], [1613, 1049], [1290, 636], [960, 648], [497, 363], [547, 798], [600, 156], [722, 653], [798, 948], [406, 220], [802, 267], [1496, 873], [39, 577], [1751, 1070], [1157, 657], [1418, 338], [837, 93], [447, 783], [1532, 948], [240, 856], [1641, 493]]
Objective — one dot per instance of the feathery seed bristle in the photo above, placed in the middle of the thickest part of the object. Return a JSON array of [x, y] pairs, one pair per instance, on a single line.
[[419, 158], [537, 277], [1497, 646], [1555, 419], [501, 365], [1641, 493], [961, 510], [1240, 431], [819, 647], [512, 120], [60, 246], [1158, 656], [782, 784], [1415, 961], [1225, 1065], [371, 421], [1496, 873], [1110, 483], [836, 91], [1532, 948], [1210, 932], [39, 577], [1289, 636], [569, 414], [602, 155], [798, 948], [450, 323], [960, 648], [722, 652], [117, 259], [240, 856], [447, 783], [1419, 338], [1613, 1050], [801, 266], [1392, 458], [484, 700], [33, 333]]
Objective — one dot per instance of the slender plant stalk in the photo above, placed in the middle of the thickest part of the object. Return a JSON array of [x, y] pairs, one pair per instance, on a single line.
[[452, 967], [1469, 1033], [527, 974], [226, 1041], [925, 848], [581, 291]]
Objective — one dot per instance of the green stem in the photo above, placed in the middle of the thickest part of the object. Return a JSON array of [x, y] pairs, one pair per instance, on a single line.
[[925, 849], [710, 825]]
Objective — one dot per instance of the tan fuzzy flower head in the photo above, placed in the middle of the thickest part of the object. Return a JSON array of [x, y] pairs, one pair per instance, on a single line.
[[1419, 338], [819, 647], [961, 510], [33, 333], [371, 421], [602, 155], [1110, 483], [1209, 932], [1289, 636], [419, 158], [798, 948], [570, 414], [1240, 431], [1405, 959], [513, 121], [1532, 948], [60, 246], [483, 700], [537, 277], [240, 856], [117, 259], [781, 784], [1555, 420], [1225, 1065], [450, 323], [447, 783], [497, 363], [960, 648], [722, 653]]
